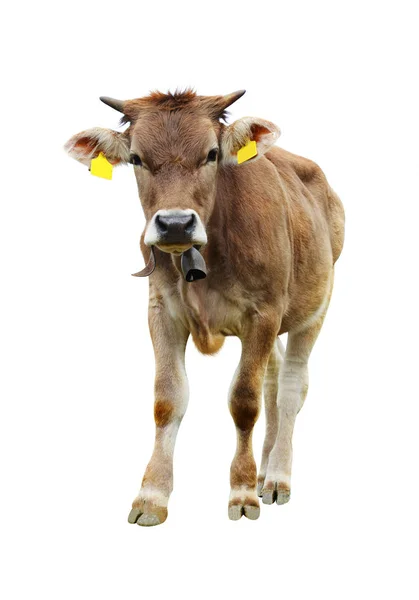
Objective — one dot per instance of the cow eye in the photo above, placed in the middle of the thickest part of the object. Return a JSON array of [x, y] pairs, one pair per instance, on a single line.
[[212, 155], [134, 159]]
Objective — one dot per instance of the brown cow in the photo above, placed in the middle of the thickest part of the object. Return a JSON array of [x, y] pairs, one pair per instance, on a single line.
[[267, 232]]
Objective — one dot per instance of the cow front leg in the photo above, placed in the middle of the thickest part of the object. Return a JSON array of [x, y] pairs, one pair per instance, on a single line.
[[244, 403], [171, 398]]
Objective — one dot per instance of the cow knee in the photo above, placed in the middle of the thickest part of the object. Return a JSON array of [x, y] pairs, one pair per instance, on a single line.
[[171, 399], [163, 412], [244, 405]]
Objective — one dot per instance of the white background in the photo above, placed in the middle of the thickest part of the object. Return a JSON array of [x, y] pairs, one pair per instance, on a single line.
[[340, 79]]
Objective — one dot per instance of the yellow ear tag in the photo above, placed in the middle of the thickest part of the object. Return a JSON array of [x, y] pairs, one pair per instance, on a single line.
[[101, 167], [247, 152]]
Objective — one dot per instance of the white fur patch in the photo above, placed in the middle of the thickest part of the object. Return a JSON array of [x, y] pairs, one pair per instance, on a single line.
[[153, 495], [241, 493]]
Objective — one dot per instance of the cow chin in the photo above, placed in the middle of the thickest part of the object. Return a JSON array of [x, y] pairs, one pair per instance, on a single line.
[[176, 249]]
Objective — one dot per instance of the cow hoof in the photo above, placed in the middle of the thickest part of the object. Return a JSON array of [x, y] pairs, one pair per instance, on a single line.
[[147, 513], [243, 504], [275, 491], [236, 511], [148, 516], [261, 481]]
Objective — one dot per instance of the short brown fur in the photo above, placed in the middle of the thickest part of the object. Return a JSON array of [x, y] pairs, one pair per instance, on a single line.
[[275, 229]]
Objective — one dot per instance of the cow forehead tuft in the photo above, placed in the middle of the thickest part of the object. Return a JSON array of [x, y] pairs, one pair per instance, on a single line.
[[162, 102]]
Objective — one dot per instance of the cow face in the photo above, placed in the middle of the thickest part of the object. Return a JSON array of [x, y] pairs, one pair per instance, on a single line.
[[176, 143], [175, 156]]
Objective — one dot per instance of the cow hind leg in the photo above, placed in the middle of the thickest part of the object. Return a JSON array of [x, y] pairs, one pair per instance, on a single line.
[[270, 393], [293, 387]]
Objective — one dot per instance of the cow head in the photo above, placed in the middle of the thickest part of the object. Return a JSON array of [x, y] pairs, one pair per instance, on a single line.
[[176, 144]]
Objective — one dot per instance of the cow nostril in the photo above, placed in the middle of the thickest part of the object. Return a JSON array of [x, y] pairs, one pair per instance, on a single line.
[[190, 224], [175, 227], [161, 225]]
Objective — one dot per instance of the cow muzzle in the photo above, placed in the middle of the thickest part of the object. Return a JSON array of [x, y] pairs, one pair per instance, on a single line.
[[175, 231], [179, 232]]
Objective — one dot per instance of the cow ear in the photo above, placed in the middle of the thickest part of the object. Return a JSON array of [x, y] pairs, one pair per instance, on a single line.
[[244, 131], [88, 144]]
